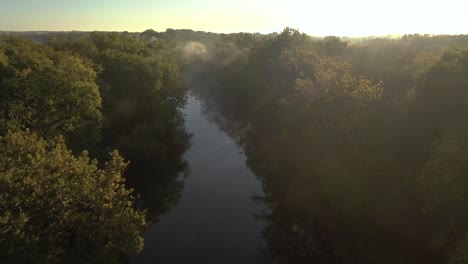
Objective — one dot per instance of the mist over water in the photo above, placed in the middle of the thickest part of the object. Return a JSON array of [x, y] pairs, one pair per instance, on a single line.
[[194, 50], [243, 148]]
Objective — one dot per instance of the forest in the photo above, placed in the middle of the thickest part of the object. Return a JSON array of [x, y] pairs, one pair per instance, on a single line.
[[360, 144]]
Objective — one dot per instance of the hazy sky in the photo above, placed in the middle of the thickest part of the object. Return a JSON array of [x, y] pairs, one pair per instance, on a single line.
[[318, 17]]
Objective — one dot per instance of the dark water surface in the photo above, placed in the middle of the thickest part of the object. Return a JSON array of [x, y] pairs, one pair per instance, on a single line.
[[214, 221]]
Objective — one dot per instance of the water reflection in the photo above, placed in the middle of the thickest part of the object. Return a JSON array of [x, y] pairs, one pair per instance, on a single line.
[[214, 221], [366, 210], [340, 214], [157, 170]]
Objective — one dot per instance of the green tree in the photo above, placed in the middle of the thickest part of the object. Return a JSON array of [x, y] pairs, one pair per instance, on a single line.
[[55, 207], [332, 46], [141, 90], [51, 93]]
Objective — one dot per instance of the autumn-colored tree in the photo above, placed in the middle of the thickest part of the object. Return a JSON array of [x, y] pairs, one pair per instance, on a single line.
[[58, 208]]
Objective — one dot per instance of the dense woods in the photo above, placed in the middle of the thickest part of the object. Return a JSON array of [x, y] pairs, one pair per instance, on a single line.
[[360, 144], [78, 97], [60, 208], [49, 92]]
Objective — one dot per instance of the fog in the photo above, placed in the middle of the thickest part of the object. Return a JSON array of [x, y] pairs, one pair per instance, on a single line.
[[183, 146]]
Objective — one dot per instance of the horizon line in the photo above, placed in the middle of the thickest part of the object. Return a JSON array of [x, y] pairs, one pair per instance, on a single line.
[[236, 32]]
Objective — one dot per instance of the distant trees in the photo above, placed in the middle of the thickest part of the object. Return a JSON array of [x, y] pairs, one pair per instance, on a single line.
[[332, 46], [58, 208], [441, 102]]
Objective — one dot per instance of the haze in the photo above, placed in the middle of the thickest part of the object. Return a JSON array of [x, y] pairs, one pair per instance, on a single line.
[[337, 17]]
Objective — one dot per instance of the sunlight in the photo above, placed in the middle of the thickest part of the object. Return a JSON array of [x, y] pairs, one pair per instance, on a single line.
[[364, 17], [241, 131], [337, 17]]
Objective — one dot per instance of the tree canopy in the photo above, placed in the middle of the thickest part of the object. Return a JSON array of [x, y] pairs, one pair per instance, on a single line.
[[99, 91], [360, 145], [52, 93], [55, 207]]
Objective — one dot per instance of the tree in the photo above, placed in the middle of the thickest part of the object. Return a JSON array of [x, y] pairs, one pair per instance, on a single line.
[[354, 169], [141, 92], [332, 46], [51, 93], [55, 207]]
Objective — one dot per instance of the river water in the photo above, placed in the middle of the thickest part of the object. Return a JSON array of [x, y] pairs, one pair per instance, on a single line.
[[214, 221]]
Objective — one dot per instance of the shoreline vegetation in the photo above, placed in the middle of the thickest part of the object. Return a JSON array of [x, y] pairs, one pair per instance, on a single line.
[[360, 143]]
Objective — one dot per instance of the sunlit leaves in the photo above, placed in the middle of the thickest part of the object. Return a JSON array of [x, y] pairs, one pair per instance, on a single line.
[[51, 93], [56, 207]]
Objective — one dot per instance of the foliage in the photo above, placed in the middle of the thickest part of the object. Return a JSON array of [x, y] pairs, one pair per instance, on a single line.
[[55, 207], [360, 146], [85, 213], [142, 92], [51, 93]]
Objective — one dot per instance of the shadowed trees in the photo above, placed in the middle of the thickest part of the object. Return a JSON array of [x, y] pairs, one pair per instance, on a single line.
[[141, 90], [361, 161]]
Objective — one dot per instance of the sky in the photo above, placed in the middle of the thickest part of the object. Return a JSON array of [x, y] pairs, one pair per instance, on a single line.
[[315, 17]]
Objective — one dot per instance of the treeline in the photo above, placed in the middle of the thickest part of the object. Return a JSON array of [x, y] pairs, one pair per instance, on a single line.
[[360, 146], [70, 99]]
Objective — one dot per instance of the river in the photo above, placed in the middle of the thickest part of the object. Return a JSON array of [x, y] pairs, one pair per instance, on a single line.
[[214, 221]]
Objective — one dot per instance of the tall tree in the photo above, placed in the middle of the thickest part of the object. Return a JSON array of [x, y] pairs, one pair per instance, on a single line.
[[58, 208], [51, 93]]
